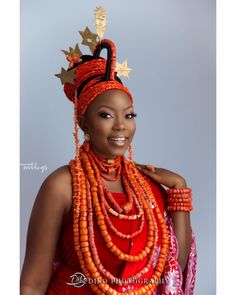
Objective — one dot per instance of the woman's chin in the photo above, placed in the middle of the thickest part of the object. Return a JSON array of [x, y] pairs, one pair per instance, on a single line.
[[111, 154], [111, 151], [117, 150]]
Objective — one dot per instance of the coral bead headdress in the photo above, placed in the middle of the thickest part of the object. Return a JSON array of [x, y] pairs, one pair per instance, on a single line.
[[88, 76]]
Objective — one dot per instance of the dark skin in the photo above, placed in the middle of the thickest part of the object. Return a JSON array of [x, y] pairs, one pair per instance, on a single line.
[[54, 198]]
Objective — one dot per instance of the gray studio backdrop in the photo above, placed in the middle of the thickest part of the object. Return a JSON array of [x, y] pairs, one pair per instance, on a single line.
[[171, 47]]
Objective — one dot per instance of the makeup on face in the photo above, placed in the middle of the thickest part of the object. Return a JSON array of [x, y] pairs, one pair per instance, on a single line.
[[111, 121]]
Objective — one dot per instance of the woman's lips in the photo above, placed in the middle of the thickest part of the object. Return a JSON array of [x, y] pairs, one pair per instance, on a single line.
[[117, 141]]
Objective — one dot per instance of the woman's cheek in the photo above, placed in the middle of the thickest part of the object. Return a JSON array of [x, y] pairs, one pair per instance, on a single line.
[[98, 126]]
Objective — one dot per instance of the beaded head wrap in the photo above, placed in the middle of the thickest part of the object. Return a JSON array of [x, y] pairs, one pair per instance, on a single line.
[[94, 77], [90, 75]]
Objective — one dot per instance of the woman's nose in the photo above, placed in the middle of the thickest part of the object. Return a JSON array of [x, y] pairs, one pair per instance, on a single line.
[[119, 124]]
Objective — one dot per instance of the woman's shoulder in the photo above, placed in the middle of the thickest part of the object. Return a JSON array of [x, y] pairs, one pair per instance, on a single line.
[[58, 182], [157, 187], [62, 172], [59, 178], [158, 190]]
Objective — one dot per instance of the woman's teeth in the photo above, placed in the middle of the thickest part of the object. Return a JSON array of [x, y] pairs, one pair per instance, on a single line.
[[118, 140]]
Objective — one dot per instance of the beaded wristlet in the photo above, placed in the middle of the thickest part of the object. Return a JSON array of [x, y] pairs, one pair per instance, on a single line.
[[179, 199]]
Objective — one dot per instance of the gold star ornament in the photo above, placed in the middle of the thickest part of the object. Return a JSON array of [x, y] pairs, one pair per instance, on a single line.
[[100, 21], [66, 76], [74, 52], [89, 38], [122, 69], [73, 56]]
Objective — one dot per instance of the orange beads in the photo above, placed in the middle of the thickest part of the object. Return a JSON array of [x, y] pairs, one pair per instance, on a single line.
[[91, 199], [179, 199]]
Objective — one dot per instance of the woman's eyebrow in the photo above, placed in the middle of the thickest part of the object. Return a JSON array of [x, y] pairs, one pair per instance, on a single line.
[[106, 106]]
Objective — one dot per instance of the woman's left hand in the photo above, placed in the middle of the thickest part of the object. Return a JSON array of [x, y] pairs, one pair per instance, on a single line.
[[163, 176]]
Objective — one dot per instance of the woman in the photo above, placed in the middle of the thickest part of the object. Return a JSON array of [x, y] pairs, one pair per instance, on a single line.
[[104, 224]]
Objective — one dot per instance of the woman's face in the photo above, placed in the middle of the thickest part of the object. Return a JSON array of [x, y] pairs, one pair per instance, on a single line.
[[110, 117]]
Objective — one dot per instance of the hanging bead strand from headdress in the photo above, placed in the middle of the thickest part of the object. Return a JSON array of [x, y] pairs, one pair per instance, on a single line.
[[130, 150], [76, 128]]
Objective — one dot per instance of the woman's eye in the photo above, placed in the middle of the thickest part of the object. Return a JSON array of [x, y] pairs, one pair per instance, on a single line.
[[108, 116], [104, 115], [131, 116]]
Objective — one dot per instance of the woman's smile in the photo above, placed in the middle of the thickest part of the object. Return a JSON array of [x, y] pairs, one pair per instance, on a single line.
[[118, 140]]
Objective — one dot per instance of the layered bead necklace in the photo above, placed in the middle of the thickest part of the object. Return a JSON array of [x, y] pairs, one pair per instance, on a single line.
[[93, 201]]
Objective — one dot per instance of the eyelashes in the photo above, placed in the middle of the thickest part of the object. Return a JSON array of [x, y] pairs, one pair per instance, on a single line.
[[133, 115], [129, 116]]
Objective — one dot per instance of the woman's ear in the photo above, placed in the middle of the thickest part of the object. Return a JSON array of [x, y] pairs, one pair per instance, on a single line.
[[82, 123]]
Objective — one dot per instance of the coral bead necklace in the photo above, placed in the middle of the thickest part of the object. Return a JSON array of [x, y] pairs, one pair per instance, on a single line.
[[93, 201], [107, 166]]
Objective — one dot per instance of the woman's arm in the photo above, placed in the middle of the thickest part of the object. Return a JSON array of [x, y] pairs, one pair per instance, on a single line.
[[182, 228], [181, 220], [43, 232]]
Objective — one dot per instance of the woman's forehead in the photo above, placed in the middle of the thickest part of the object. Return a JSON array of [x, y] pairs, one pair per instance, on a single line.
[[114, 99]]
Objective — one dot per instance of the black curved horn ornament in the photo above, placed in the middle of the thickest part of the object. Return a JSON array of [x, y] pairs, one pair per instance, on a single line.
[[111, 57]]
